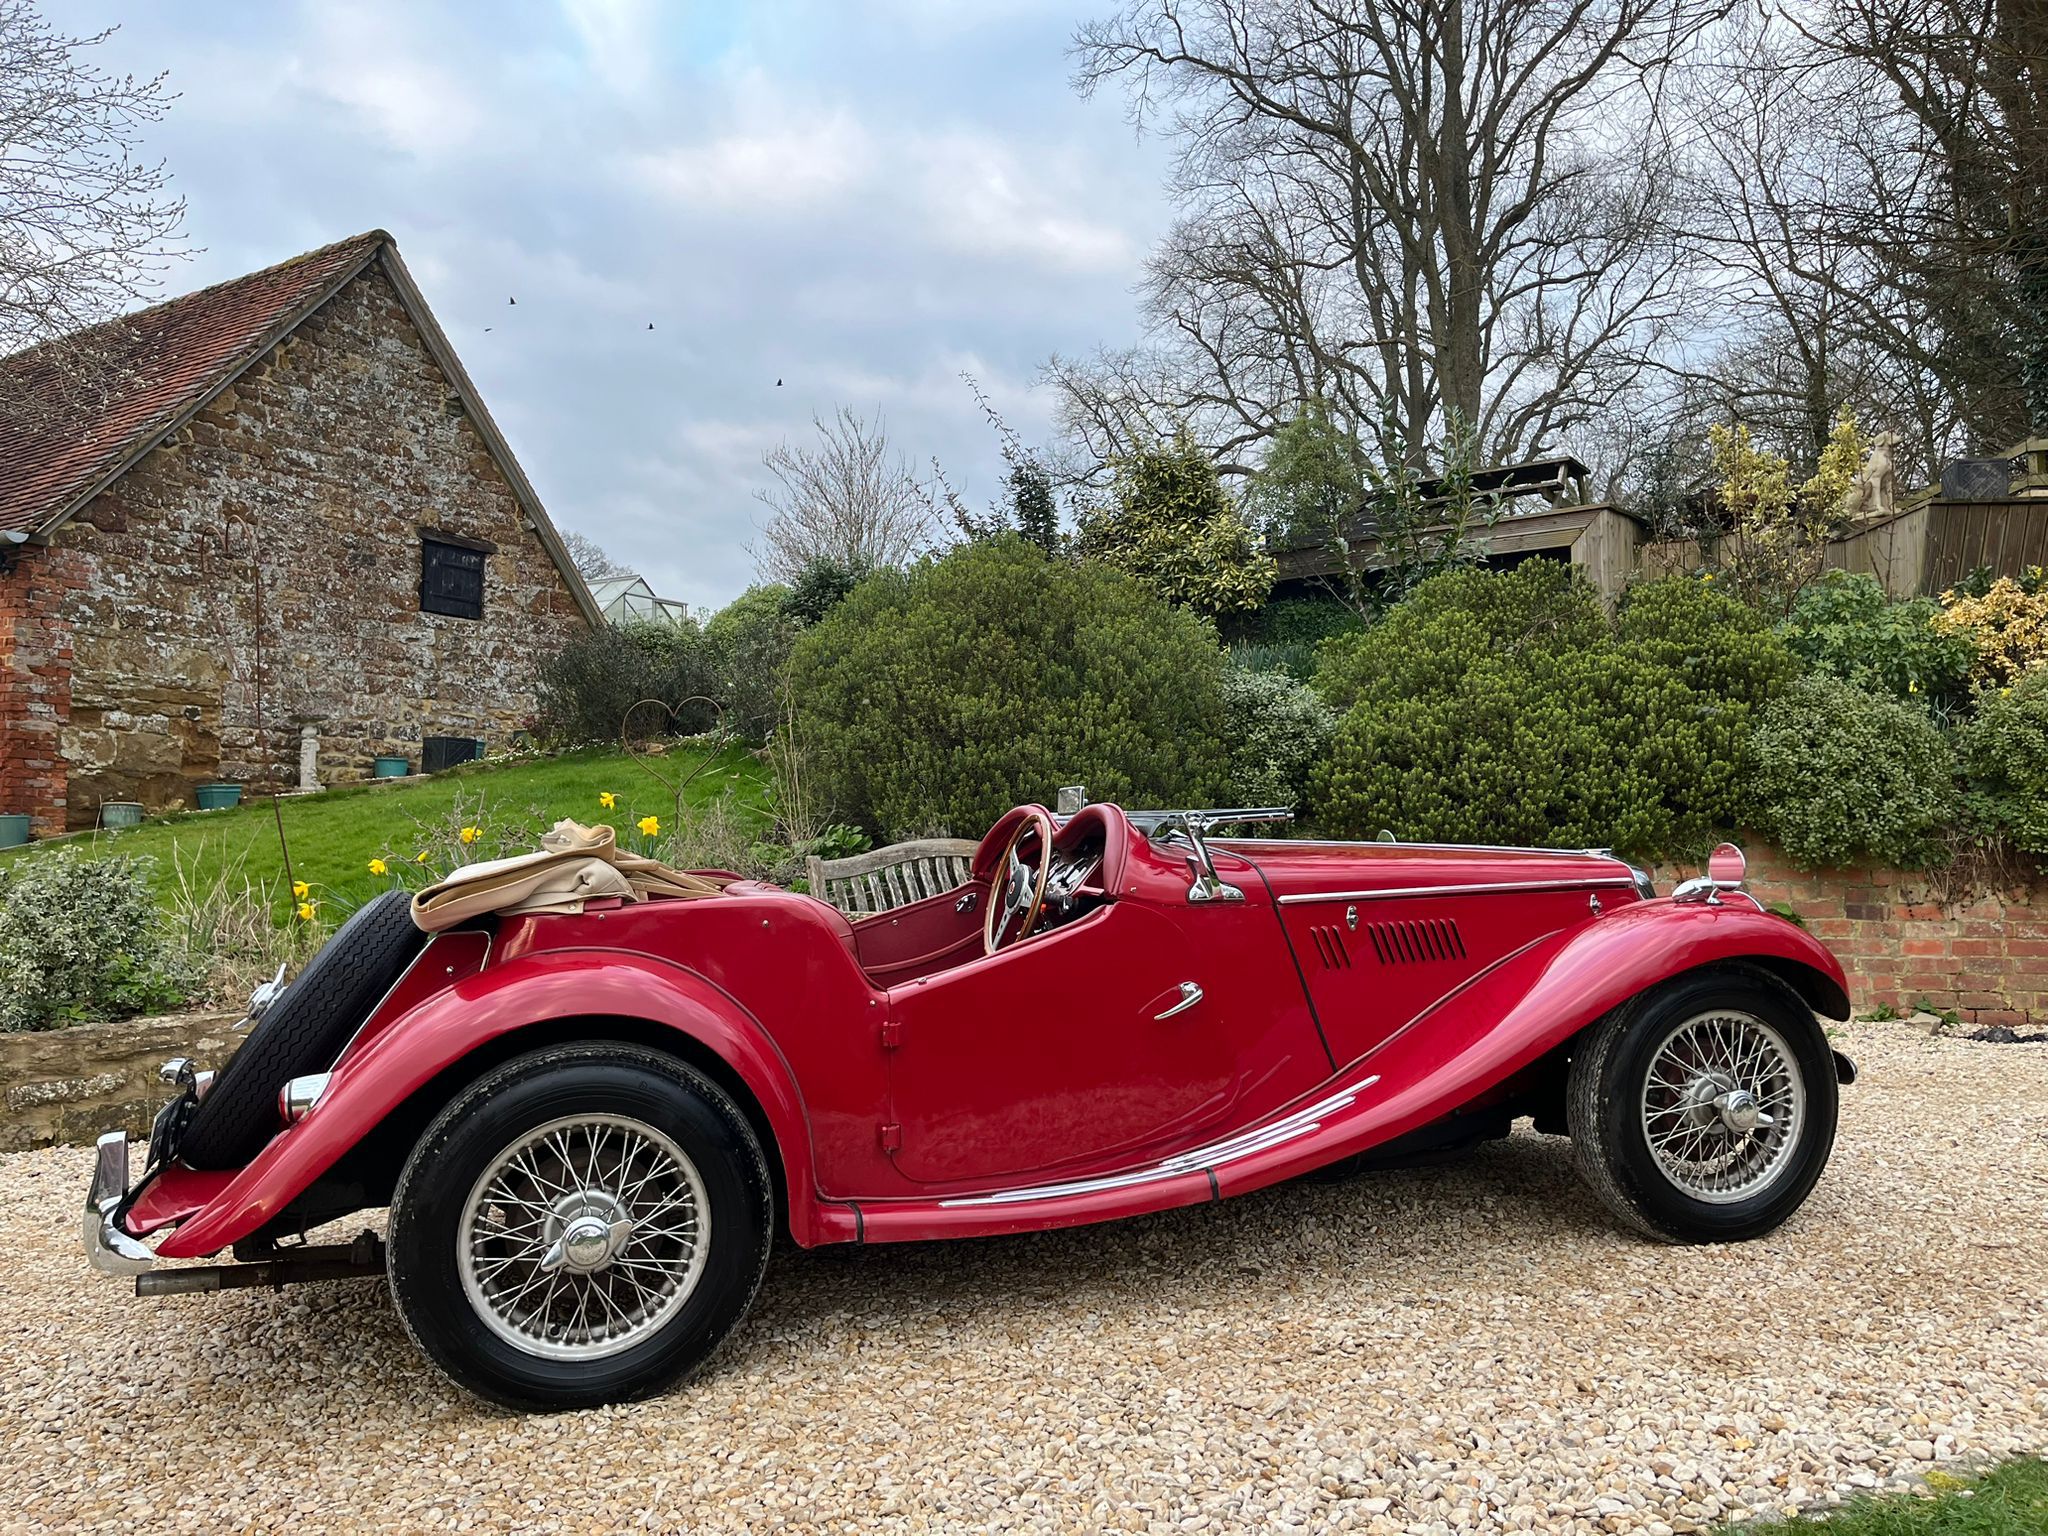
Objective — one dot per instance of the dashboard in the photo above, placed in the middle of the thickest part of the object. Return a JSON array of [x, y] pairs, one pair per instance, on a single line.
[[1073, 885]]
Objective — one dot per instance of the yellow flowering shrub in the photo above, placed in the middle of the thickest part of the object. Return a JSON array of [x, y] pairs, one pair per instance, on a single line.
[[2008, 625]]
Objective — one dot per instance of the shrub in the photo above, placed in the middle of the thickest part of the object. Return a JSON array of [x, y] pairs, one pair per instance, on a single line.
[[1845, 625], [749, 641], [2004, 753], [2006, 625], [945, 694], [81, 938], [1275, 729], [1173, 527], [1425, 644], [585, 690], [1843, 774], [820, 586], [1287, 632], [1505, 708]]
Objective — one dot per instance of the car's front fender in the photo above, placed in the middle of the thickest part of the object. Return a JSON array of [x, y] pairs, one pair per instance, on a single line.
[[1536, 1000], [441, 1032]]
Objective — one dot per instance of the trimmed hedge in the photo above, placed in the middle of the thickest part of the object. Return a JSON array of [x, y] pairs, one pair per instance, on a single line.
[[937, 698], [1843, 774], [2004, 751], [1505, 707]]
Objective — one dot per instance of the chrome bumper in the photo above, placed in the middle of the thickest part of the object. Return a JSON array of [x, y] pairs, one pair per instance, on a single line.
[[106, 1245]]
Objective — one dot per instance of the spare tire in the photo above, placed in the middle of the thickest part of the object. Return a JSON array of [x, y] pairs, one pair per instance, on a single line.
[[303, 1032]]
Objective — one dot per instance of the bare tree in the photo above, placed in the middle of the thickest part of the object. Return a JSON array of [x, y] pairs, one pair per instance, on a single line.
[[1453, 207], [850, 500], [590, 559], [86, 227]]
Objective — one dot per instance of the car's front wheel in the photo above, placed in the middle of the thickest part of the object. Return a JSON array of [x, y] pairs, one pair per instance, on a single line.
[[1704, 1111], [582, 1225]]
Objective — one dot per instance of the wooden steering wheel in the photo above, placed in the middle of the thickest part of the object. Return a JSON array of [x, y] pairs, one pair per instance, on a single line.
[[1015, 889]]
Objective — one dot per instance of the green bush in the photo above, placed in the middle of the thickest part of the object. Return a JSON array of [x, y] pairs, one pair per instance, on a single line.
[[749, 641], [1845, 625], [1843, 774], [1504, 708], [820, 586], [81, 938], [1286, 634], [1275, 729], [1173, 527], [941, 696], [2004, 752], [585, 690]]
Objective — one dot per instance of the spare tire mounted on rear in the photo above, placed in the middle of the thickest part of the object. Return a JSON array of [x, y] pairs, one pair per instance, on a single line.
[[303, 1031]]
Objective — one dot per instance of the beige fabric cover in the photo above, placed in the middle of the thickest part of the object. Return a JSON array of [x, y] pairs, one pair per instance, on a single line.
[[575, 864]]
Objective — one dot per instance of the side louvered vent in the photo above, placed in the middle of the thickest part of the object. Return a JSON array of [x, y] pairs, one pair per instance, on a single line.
[[1330, 946], [1419, 939]]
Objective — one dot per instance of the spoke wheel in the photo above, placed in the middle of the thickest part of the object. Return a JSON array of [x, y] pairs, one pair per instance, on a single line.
[[584, 1236], [1723, 1104], [1703, 1110], [581, 1225]]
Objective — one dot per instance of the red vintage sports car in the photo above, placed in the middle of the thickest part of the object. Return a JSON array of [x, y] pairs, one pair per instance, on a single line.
[[590, 1128]]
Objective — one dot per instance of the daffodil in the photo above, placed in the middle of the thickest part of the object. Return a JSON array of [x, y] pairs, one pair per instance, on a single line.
[[471, 834], [649, 825], [420, 857], [307, 910], [378, 867], [607, 799], [301, 890]]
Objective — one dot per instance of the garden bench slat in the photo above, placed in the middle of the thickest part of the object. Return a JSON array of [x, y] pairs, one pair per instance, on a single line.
[[885, 878]]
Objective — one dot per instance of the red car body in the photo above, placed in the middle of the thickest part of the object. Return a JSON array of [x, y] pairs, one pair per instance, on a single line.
[[1156, 1047]]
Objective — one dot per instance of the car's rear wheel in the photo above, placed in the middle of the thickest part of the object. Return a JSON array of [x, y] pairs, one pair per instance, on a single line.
[[1704, 1110], [583, 1225]]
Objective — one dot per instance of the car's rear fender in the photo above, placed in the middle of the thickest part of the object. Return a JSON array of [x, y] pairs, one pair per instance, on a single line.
[[474, 1020]]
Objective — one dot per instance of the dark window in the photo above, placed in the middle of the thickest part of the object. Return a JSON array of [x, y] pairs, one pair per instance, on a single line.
[[451, 579], [438, 752]]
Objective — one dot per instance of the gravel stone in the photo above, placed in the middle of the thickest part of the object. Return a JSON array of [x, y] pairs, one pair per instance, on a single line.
[[1456, 1349]]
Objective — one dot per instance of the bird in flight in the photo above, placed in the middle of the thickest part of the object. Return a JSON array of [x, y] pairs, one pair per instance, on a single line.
[[511, 301]]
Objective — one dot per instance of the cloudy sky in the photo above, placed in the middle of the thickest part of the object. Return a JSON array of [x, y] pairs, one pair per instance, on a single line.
[[863, 199]]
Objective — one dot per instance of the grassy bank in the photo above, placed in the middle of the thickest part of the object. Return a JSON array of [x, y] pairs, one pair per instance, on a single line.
[[2011, 1500], [333, 835]]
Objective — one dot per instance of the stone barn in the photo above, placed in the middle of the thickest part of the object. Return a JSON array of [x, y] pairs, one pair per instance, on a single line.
[[281, 537]]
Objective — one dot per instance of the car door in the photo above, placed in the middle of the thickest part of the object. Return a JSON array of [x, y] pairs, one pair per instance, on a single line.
[[1069, 1050]]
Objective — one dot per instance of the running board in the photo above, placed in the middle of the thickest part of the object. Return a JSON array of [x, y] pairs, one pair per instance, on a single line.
[[339, 1261]]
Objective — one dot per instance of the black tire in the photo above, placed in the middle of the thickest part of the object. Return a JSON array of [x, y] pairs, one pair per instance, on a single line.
[[1605, 1108], [303, 1032], [638, 1088]]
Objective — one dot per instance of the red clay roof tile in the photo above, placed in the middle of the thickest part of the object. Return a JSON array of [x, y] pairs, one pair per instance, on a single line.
[[145, 370]]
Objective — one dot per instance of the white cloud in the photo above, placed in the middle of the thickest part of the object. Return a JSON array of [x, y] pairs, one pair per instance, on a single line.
[[795, 167], [981, 198], [358, 57], [618, 38]]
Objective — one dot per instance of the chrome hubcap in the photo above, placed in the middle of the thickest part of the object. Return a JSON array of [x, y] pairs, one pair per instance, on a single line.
[[1723, 1105], [584, 1237]]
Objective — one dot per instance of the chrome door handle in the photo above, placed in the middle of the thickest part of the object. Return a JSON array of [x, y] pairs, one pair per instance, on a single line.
[[1190, 994]]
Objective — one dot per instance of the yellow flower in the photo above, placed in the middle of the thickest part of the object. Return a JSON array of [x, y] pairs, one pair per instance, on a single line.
[[378, 867], [649, 825], [1707, 576], [307, 909], [471, 834], [301, 890], [607, 799], [421, 857]]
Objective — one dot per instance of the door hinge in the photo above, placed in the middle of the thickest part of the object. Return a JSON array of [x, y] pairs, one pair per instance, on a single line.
[[892, 1034], [892, 1136]]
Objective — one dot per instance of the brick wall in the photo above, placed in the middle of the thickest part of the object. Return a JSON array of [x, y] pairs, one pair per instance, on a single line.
[[35, 682], [320, 467], [1905, 940]]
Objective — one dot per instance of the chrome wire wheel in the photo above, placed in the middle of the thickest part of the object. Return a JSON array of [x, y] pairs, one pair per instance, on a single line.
[[1723, 1106], [584, 1237]]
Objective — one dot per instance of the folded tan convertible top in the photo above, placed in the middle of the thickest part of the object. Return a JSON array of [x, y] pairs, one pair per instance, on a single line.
[[574, 864]]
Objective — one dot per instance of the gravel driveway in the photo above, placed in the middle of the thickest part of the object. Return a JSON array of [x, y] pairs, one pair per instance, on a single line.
[[1474, 1347]]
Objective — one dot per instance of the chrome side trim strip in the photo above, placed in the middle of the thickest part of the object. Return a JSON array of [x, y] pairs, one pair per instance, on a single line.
[[1202, 1159], [1582, 883]]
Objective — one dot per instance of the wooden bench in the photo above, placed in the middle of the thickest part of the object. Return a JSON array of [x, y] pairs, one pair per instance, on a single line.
[[885, 878]]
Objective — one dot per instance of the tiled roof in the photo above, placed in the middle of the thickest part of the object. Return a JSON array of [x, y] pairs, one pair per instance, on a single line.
[[144, 372]]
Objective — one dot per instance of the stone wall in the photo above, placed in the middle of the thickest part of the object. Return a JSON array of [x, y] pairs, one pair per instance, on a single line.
[[1907, 940], [319, 468], [65, 1086]]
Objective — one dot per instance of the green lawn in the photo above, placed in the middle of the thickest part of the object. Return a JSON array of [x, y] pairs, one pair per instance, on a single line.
[[334, 834], [2011, 1500]]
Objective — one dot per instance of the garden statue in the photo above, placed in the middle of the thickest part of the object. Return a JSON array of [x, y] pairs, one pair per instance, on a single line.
[[1875, 492]]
